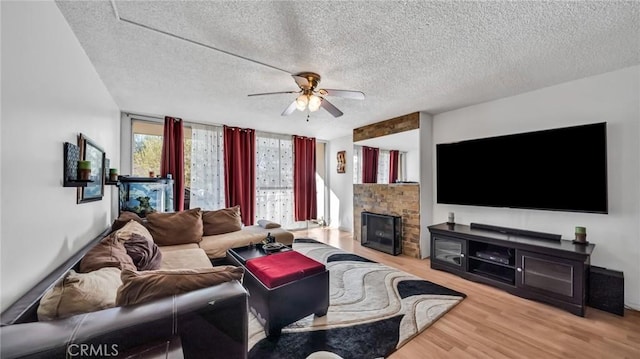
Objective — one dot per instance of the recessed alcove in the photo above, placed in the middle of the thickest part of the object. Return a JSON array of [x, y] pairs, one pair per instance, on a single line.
[[395, 199]]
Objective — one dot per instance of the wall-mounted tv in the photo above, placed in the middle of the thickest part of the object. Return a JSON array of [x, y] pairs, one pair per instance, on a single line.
[[562, 169]]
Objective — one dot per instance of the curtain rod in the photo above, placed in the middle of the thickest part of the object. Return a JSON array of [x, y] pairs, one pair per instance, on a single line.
[[133, 114]]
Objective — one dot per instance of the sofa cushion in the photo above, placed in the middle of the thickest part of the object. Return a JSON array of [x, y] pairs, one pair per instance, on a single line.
[[268, 224], [193, 258], [177, 247], [281, 235], [124, 218], [80, 293], [217, 245], [132, 227], [144, 253], [109, 252], [176, 228], [222, 221], [140, 287]]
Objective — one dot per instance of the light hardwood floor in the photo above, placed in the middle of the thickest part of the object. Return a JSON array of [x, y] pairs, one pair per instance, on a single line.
[[491, 323]]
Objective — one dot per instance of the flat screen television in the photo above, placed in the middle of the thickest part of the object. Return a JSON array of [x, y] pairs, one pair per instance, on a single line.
[[562, 169]]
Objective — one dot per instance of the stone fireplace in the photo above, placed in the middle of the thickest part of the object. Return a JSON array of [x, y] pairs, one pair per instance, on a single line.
[[401, 200]]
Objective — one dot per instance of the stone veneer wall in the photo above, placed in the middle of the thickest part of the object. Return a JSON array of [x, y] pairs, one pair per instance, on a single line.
[[392, 199], [395, 125]]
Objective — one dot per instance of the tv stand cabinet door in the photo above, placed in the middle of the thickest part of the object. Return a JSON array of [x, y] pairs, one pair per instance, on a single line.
[[448, 253], [554, 280]]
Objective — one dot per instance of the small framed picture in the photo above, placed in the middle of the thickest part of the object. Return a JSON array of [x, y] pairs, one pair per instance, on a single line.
[[342, 161], [89, 151]]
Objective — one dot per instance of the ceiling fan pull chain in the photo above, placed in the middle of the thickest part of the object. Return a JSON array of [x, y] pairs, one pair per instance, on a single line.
[[308, 116]]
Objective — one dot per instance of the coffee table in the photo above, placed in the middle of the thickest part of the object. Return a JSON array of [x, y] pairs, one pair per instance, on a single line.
[[278, 307]]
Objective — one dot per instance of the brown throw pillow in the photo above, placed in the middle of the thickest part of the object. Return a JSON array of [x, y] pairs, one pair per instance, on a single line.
[[109, 252], [222, 221], [176, 228], [144, 253], [124, 218], [140, 287]]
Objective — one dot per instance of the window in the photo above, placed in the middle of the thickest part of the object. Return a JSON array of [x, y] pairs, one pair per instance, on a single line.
[[357, 164], [383, 166], [207, 168], [147, 148], [204, 176], [274, 178], [147, 151]]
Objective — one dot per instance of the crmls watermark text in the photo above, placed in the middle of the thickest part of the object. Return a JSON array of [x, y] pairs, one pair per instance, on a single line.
[[92, 350]]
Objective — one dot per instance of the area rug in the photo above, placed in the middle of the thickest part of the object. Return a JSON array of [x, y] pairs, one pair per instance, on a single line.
[[374, 309]]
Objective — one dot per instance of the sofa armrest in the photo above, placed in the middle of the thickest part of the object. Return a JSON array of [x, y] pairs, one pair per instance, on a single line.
[[211, 322]]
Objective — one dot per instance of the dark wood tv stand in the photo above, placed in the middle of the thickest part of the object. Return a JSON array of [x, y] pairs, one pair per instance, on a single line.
[[533, 265]]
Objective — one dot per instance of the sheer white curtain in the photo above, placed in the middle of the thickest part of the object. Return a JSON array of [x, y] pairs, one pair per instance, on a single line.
[[274, 178], [357, 164], [383, 166], [207, 167], [402, 166]]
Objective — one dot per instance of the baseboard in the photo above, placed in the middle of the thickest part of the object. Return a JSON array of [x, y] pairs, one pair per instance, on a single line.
[[345, 229], [633, 306]]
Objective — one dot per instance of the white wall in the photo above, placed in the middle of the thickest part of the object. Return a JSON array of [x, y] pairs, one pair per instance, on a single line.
[[413, 165], [426, 179], [612, 97], [341, 185], [50, 93]]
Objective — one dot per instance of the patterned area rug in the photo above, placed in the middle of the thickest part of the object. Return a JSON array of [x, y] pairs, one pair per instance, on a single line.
[[374, 310]]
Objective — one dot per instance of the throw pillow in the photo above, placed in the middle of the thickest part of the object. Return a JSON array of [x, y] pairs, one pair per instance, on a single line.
[[109, 252], [140, 287], [80, 293], [144, 253], [176, 228], [124, 218], [133, 227], [266, 224], [222, 221]]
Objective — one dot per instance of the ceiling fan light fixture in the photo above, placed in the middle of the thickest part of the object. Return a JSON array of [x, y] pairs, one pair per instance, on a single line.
[[301, 102], [312, 99], [314, 103]]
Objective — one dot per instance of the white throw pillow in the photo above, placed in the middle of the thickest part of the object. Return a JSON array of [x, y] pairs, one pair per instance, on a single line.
[[81, 293], [266, 224]]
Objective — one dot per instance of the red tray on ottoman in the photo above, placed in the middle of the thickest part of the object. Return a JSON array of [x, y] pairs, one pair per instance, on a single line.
[[283, 287]]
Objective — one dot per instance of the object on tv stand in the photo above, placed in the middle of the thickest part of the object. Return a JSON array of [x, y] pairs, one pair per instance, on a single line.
[[516, 231], [451, 218], [494, 256]]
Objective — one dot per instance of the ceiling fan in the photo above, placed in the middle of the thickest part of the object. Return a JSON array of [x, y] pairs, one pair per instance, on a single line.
[[314, 99]]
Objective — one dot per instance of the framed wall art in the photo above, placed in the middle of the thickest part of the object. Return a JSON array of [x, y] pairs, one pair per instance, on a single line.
[[89, 151], [342, 161]]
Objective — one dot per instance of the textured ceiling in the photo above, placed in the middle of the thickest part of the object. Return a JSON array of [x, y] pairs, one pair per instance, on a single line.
[[405, 56]]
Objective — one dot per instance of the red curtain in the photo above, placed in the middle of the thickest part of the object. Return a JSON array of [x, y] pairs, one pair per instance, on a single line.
[[304, 178], [172, 159], [240, 171], [369, 164], [393, 165]]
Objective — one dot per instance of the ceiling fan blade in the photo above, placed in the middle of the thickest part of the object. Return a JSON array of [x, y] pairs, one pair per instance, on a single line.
[[289, 110], [302, 82], [272, 93], [330, 108], [354, 95]]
